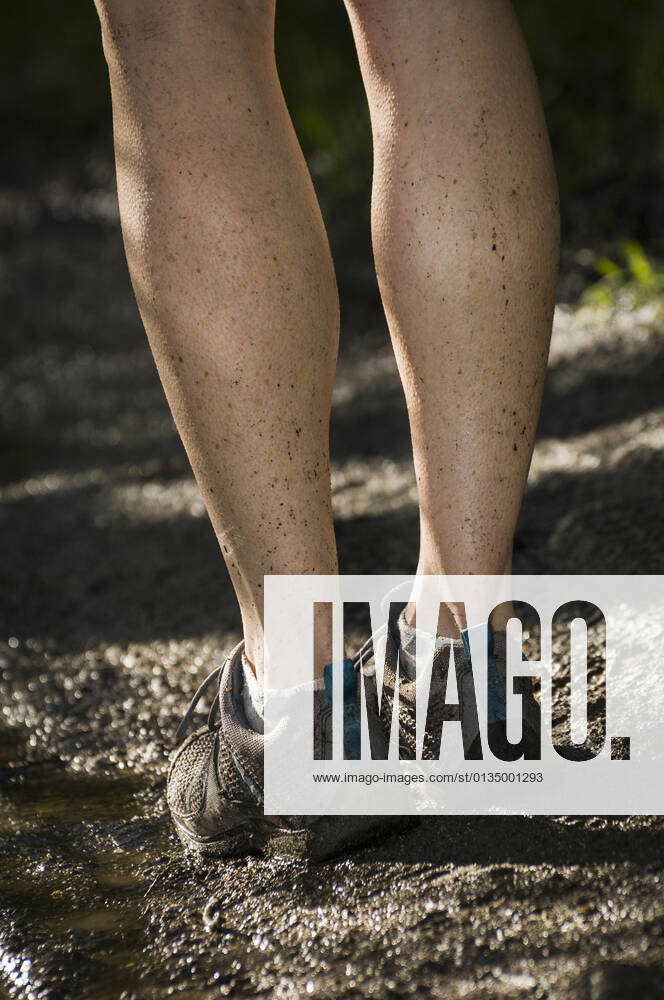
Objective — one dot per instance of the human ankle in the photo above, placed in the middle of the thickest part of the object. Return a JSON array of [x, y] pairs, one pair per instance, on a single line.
[[252, 656], [323, 643], [500, 617], [252, 695], [451, 619]]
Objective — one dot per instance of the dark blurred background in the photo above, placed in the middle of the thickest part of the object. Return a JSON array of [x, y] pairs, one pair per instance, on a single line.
[[600, 64]]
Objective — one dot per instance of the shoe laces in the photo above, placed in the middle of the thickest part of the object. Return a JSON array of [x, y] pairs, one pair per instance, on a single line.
[[202, 690], [366, 652], [360, 659]]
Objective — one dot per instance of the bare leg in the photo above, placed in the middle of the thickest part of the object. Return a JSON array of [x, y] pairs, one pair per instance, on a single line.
[[465, 231], [233, 276]]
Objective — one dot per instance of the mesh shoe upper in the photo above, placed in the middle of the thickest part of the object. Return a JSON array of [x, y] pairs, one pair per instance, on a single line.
[[439, 711], [220, 764], [188, 775], [216, 775]]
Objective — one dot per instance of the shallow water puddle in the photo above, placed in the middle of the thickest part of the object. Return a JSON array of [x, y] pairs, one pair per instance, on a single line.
[[75, 850]]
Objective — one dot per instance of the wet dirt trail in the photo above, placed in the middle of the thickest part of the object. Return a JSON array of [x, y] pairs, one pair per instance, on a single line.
[[115, 604]]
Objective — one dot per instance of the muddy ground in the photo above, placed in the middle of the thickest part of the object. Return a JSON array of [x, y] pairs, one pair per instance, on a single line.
[[115, 604]]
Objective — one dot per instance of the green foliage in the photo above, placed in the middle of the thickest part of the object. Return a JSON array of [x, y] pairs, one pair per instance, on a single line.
[[628, 283]]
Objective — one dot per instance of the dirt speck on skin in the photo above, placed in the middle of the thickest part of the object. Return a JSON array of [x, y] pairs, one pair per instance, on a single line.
[[116, 603]]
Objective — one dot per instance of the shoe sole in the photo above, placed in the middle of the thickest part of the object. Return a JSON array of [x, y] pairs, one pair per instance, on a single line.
[[336, 835]]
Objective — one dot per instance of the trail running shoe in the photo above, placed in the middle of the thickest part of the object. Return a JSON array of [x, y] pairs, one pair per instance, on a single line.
[[215, 783], [438, 708]]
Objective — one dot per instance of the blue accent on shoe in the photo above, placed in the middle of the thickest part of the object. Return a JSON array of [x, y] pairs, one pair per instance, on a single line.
[[495, 694], [352, 738]]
